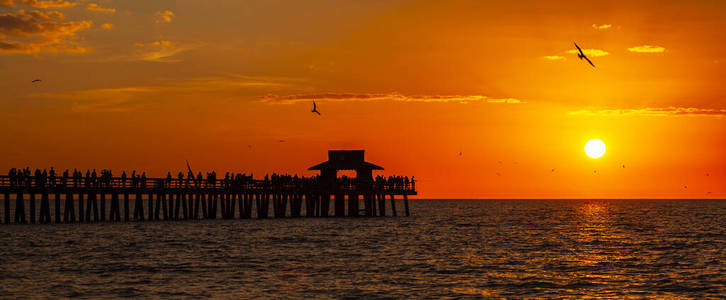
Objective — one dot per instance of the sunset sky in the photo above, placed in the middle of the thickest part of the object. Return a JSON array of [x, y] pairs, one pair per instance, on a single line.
[[146, 85]]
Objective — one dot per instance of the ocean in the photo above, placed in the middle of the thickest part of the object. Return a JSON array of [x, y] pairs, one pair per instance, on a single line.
[[446, 248]]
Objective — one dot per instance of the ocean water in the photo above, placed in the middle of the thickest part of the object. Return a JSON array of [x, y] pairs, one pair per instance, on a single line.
[[447, 248]]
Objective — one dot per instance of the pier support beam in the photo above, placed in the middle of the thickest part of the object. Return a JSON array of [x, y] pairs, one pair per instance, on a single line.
[[393, 205], [405, 203]]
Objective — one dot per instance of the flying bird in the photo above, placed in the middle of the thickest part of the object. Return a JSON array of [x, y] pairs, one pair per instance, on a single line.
[[315, 108], [282, 141], [36, 80], [623, 166], [460, 154], [581, 55], [553, 170]]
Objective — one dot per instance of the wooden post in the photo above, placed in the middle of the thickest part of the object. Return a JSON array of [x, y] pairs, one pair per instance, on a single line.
[[57, 206], [126, 205], [381, 204], [94, 203], [367, 204], [205, 210], [339, 205], [81, 210], [197, 200], [405, 203], [44, 207], [115, 207], [103, 205], [185, 206], [393, 205], [139, 206], [150, 203], [20, 208], [7, 207], [325, 205], [353, 204], [69, 213], [177, 204], [32, 206]]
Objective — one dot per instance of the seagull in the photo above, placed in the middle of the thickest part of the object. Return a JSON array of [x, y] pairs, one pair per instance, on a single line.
[[460, 154], [315, 108], [35, 80], [581, 55], [282, 141]]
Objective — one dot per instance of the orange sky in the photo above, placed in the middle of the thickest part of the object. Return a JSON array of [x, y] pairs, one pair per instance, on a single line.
[[146, 85]]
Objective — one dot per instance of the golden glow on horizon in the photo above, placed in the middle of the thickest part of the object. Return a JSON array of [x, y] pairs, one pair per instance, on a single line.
[[595, 148]]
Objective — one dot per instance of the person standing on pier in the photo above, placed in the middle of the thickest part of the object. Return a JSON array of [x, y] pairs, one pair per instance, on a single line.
[[52, 176]]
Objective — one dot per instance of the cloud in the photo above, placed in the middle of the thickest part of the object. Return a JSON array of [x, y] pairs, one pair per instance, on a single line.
[[130, 98], [590, 52], [48, 3], [670, 111], [554, 57], [107, 26], [602, 27], [646, 49], [36, 31], [161, 50], [164, 16], [289, 99], [6, 3], [98, 8]]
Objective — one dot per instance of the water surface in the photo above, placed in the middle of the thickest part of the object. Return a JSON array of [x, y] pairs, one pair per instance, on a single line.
[[447, 248]]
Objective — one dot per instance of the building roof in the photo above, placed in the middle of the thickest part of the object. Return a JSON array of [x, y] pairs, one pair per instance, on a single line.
[[346, 160]]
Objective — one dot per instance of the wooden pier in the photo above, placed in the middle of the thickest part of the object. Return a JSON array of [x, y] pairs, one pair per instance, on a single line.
[[71, 199]]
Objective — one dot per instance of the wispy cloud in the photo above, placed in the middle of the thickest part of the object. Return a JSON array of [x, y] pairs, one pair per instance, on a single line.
[[164, 16], [290, 99], [49, 3], [670, 111], [37, 31], [160, 51], [554, 57], [98, 8], [107, 26], [647, 49], [602, 27], [129, 98], [590, 52]]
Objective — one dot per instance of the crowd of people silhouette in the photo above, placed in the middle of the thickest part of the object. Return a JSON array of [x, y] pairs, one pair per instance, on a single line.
[[48, 178]]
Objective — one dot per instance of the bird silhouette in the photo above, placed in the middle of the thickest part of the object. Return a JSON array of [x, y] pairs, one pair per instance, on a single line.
[[282, 141], [315, 108], [36, 80], [623, 166], [460, 154], [553, 170], [582, 56]]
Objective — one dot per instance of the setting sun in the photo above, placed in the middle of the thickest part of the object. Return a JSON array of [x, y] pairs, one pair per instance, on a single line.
[[595, 148]]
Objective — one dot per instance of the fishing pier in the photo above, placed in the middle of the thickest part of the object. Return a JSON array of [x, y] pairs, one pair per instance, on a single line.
[[43, 198]]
